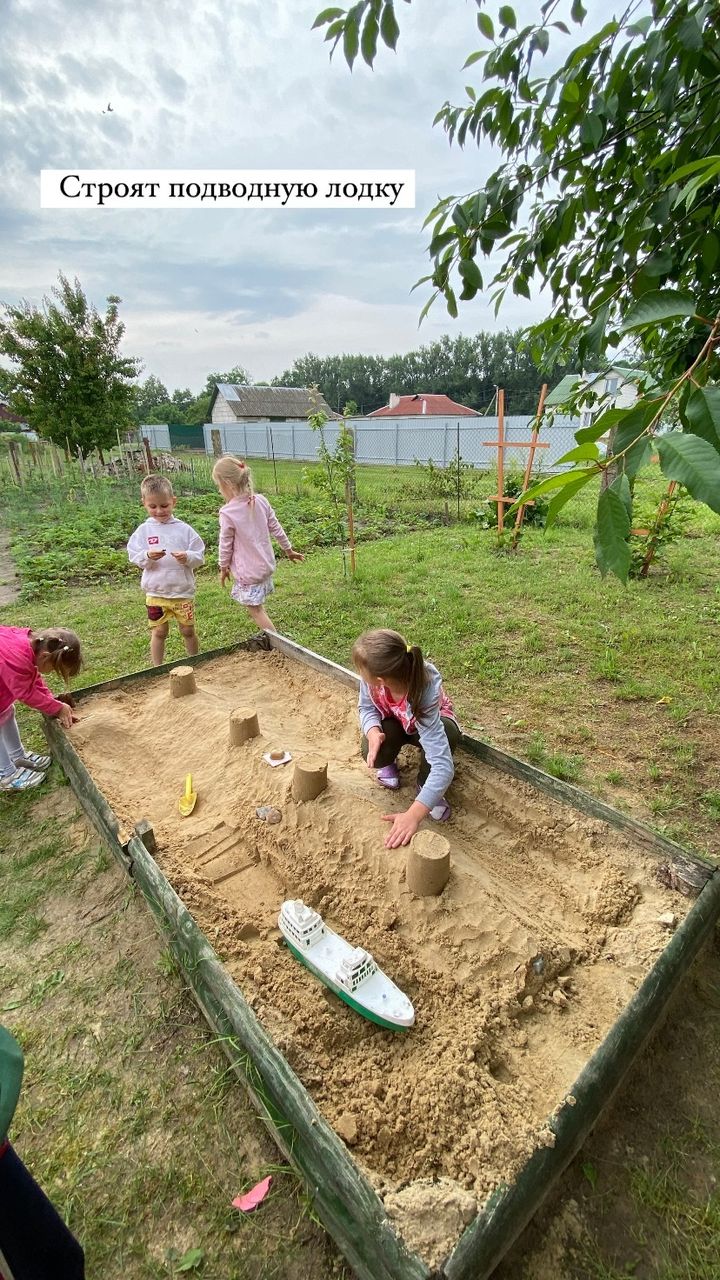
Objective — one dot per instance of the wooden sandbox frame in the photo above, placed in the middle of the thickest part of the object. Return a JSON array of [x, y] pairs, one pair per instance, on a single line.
[[344, 1200]]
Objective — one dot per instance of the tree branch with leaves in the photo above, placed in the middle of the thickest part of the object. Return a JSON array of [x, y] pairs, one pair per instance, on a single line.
[[607, 196]]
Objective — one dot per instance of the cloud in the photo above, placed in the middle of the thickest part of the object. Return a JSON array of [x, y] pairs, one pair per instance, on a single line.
[[231, 84]]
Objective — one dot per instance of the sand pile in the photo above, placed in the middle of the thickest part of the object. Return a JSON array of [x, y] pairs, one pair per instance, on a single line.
[[517, 970]]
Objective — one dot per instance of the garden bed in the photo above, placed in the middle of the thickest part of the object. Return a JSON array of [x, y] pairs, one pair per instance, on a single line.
[[519, 971]]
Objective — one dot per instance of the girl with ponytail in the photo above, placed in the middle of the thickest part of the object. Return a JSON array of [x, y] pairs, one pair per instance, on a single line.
[[247, 522], [402, 701]]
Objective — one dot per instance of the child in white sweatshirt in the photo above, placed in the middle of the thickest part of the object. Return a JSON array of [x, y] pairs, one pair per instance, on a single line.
[[168, 551]]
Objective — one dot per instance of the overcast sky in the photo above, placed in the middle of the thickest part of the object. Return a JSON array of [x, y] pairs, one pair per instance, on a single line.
[[234, 84]]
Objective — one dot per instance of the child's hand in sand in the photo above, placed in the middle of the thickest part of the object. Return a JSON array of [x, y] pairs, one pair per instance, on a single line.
[[155, 555], [404, 825], [66, 717], [375, 738]]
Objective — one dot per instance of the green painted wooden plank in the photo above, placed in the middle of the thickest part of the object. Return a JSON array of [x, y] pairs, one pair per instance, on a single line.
[[91, 798], [651, 840]]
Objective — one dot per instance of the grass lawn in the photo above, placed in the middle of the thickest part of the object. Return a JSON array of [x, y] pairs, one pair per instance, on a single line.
[[129, 1116], [617, 689]]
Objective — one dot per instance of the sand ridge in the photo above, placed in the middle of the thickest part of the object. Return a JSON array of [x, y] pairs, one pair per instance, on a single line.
[[517, 970]]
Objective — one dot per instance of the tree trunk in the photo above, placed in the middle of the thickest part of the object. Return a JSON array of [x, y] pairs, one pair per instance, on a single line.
[[612, 472]]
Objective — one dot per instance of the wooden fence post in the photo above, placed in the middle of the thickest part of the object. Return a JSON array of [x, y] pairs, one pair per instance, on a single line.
[[15, 459]]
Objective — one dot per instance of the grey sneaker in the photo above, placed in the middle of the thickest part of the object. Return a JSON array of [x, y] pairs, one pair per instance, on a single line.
[[31, 760], [21, 779]]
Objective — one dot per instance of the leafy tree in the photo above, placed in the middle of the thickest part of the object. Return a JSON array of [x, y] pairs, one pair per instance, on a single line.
[[466, 368], [68, 378], [607, 195], [235, 376], [148, 395]]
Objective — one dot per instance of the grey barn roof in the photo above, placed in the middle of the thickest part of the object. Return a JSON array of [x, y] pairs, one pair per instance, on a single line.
[[247, 401]]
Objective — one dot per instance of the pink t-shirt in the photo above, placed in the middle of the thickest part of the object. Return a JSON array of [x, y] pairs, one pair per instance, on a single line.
[[20, 680], [400, 708]]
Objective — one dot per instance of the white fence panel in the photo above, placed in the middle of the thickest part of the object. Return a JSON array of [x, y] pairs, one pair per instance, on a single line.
[[399, 441], [157, 435]]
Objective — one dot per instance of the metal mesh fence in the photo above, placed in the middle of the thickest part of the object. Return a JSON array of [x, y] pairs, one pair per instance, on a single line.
[[407, 474]]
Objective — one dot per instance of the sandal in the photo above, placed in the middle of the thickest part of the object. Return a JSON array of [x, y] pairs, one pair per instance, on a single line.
[[21, 779], [31, 760], [389, 777]]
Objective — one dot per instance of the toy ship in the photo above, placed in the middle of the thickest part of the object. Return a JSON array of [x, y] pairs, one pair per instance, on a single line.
[[349, 971]]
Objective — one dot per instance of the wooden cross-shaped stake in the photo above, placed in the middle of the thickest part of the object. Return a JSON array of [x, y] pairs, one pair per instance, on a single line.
[[501, 444]]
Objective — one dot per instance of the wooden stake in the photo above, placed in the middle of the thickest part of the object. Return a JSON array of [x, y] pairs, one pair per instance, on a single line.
[[657, 524], [15, 461], [531, 458], [351, 525], [148, 455]]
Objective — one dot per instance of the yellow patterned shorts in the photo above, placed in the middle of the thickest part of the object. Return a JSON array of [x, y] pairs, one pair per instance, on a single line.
[[161, 610]]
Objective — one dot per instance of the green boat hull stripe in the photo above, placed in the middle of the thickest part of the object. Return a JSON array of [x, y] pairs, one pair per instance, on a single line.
[[344, 995]]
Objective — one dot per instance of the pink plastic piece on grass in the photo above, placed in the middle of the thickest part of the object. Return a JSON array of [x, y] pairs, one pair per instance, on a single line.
[[253, 1198]]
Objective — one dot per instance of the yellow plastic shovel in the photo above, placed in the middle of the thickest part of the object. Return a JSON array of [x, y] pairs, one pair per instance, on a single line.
[[187, 800]]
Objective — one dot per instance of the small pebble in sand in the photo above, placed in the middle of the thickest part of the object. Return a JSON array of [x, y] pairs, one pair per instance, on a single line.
[[346, 1128], [668, 919], [559, 998], [268, 813], [278, 755]]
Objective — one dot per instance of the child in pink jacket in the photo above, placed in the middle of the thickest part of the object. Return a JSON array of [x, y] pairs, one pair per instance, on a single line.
[[25, 656], [245, 553]]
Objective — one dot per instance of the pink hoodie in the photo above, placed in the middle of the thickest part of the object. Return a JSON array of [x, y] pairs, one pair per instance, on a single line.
[[20, 680], [245, 547]]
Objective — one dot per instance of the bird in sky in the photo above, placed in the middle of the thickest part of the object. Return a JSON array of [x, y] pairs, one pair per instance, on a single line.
[[108, 108]]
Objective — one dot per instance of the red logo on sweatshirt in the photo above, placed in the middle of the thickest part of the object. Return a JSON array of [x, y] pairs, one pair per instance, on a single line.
[[153, 541]]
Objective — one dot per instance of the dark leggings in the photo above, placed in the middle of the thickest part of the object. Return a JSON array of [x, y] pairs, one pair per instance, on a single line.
[[34, 1240], [396, 738]]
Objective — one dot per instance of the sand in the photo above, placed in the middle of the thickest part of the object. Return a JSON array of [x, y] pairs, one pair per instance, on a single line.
[[517, 970]]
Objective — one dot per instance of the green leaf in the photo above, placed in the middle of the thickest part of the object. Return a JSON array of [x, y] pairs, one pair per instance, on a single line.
[[389, 29], [693, 462], [558, 502], [591, 130], [654, 308], [474, 57], [470, 273], [695, 166], [190, 1260], [710, 250], [554, 482], [612, 529], [485, 23], [368, 44], [577, 13], [603, 423], [507, 16], [570, 92], [327, 15], [702, 412], [351, 39], [587, 452]]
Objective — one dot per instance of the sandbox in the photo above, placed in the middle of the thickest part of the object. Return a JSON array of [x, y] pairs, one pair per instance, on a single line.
[[552, 946]]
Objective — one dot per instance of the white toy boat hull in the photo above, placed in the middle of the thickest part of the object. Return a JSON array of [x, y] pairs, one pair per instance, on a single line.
[[377, 997]]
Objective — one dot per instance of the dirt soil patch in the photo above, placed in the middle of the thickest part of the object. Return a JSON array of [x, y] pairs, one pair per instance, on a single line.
[[549, 923]]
